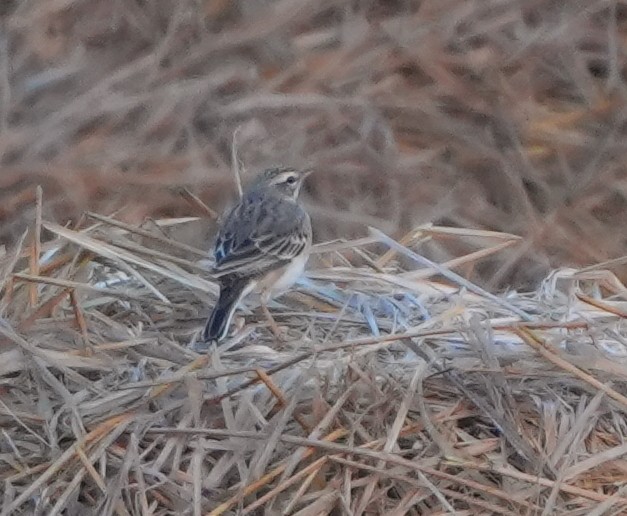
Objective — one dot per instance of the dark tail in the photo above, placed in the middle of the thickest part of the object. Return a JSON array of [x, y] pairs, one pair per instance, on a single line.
[[218, 323]]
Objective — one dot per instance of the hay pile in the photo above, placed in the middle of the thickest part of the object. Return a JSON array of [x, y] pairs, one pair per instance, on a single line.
[[395, 391]]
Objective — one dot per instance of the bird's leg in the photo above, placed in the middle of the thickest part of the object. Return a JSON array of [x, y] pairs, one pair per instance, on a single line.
[[274, 328]]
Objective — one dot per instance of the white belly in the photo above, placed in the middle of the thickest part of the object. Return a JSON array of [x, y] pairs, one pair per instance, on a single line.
[[282, 279]]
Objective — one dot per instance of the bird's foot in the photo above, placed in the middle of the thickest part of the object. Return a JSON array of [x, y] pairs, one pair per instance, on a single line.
[[279, 335]]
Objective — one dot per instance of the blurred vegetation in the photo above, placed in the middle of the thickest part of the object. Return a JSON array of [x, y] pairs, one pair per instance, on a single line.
[[501, 114]]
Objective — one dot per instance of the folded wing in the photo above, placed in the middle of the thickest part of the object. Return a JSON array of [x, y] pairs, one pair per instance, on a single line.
[[257, 237]]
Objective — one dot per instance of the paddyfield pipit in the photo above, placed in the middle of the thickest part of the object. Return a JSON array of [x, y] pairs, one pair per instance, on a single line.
[[262, 245]]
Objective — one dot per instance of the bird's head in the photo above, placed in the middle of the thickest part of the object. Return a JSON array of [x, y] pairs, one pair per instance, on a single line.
[[286, 180]]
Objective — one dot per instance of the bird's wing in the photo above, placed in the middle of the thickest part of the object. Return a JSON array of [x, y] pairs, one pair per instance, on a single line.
[[259, 234]]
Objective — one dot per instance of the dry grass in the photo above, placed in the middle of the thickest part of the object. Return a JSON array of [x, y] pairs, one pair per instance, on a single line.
[[395, 392], [506, 115], [405, 385]]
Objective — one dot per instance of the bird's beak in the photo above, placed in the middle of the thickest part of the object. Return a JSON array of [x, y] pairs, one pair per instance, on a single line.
[[305, 172]]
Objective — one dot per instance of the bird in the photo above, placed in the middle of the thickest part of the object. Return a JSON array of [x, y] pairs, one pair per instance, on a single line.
[[262, 244]]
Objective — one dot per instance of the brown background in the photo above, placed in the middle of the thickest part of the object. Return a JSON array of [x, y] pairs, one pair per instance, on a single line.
[[503, 115]]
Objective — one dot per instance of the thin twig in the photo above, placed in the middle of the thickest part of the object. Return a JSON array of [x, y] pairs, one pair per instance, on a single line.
[[236, 166]]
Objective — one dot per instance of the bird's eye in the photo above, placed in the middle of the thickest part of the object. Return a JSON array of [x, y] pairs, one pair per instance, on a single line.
[[290, 180]]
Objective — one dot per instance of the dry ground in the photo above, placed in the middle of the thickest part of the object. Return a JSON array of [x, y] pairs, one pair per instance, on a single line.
[[391, 393]]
